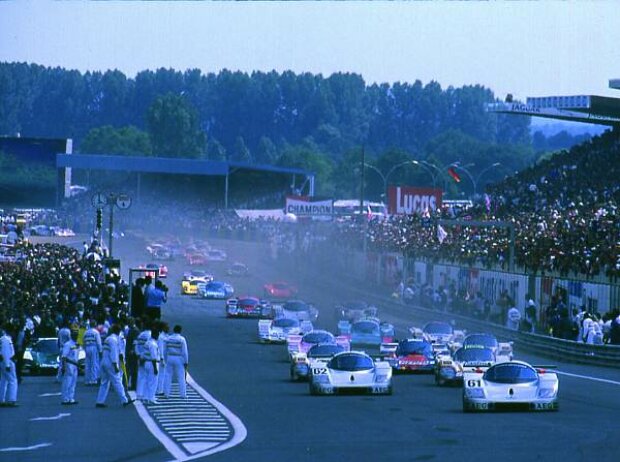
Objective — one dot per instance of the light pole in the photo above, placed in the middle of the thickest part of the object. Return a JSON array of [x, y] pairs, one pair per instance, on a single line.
[[496, 164], [439, 172], [425, 167], [386, 177]]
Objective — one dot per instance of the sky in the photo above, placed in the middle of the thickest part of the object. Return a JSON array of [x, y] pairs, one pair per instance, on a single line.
[[523, 48]]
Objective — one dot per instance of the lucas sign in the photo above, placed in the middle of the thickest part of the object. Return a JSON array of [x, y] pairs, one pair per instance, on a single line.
[[302, 206], [407, 200]]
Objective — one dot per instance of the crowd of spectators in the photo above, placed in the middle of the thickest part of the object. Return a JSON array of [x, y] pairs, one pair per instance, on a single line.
[[45, 286]]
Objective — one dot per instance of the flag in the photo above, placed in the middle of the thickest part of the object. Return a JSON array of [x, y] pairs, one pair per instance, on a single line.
[[487, 202], [441, 234], [454, 175]]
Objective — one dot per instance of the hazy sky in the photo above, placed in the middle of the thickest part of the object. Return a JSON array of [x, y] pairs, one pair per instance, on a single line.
[[528, 49]]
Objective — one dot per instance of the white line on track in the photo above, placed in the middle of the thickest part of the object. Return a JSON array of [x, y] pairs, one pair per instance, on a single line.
[[198, 449], [56, 417], [586, 377], [48, 394], [26, 448]]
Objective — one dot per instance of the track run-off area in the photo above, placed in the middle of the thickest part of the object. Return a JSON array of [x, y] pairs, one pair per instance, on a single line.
[[245, 408]]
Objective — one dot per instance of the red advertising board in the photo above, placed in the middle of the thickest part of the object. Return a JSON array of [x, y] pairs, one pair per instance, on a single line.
[[408, 200]]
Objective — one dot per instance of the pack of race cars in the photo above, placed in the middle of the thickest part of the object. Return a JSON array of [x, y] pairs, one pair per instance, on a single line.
[[363, 355]]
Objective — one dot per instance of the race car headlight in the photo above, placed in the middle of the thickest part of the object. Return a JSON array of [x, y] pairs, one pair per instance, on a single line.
[[474, 392], [546, 392], [382, 378]]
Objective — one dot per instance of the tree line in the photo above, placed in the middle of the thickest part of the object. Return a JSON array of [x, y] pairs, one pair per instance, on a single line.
[[302, 120]]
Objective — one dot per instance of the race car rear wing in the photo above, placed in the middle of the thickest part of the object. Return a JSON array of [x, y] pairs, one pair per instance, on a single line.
[[388, 348], [293, 343], [416, 332]]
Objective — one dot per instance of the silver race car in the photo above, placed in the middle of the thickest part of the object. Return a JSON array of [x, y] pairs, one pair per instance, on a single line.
[[512, 385], [278, 330], [316, 357], [351, 372]]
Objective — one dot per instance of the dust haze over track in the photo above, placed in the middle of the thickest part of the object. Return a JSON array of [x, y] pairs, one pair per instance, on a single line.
[[419, 422]]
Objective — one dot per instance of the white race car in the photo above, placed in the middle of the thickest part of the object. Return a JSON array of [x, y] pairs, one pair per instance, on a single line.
[[316, 357], [278, 330], [351, 371], [512, 385], [438, 334]]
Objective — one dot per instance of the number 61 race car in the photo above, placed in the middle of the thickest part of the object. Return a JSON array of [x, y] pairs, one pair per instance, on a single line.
[[512, 385], [349, 372]]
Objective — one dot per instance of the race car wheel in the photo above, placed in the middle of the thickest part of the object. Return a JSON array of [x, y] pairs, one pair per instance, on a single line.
[[439, 381], [294, 375], [313, 390], [467, 408]]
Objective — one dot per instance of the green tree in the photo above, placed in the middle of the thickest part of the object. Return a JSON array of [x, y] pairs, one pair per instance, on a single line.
[[307, 156], [266, 153], [241, 152], [109, 140], [174, 128]]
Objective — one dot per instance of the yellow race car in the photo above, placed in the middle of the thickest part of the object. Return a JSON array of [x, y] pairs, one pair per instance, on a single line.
[[191, 279]]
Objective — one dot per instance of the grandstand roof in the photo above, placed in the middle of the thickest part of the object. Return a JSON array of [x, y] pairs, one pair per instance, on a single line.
[[601, 110], [165, 165]]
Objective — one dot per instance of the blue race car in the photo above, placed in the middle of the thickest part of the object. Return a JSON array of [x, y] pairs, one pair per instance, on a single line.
[[215, 290]]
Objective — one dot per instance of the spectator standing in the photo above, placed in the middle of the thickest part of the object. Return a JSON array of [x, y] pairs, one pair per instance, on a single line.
[[514, 318], [8, 376], [138, 298], [155, 297], [130, 350], [530, 315]]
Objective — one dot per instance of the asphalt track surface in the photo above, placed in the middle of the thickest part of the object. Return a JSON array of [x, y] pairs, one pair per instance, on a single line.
[[419, 422]]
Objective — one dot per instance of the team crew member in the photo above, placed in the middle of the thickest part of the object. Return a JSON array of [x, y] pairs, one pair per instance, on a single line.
[[110, 371], [150, 355], [64, 335], [177, 359], [93, 349], [69, 369], [139, 348], [161, 344], [8, 377]]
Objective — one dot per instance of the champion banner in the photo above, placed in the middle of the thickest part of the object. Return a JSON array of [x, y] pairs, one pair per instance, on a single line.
[[302, 206]]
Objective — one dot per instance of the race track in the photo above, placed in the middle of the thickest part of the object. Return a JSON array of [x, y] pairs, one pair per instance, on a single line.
[[419, 422]]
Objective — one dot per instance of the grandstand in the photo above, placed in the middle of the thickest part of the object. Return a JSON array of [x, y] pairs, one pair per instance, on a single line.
[[601, 110]]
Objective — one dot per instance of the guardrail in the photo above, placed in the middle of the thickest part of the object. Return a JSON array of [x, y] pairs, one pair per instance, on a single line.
[[566, 350]]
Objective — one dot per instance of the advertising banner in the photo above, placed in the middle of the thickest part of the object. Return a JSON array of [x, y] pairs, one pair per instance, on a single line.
[[308, 206], [408, 200]]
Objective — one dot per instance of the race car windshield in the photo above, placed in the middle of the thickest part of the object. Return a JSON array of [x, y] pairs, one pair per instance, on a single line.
[[488, 341], [414, 348], [351, 363], [318, 337], [438, 328], [295, 306], [280, 286], [510, 373], [215, 286], [473, 355], [284, 322], [198, 274], [324, 351], [365, 327], [47, 347], [248, 301]]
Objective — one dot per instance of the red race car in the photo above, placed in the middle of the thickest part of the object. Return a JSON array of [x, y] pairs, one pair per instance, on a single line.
[[280, 290]]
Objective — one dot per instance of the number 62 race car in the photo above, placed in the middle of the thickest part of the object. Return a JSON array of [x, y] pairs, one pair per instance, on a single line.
[[349, 372], [512, 385]]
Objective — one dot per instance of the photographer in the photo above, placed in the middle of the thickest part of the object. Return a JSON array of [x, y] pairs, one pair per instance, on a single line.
[[155, 297]]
